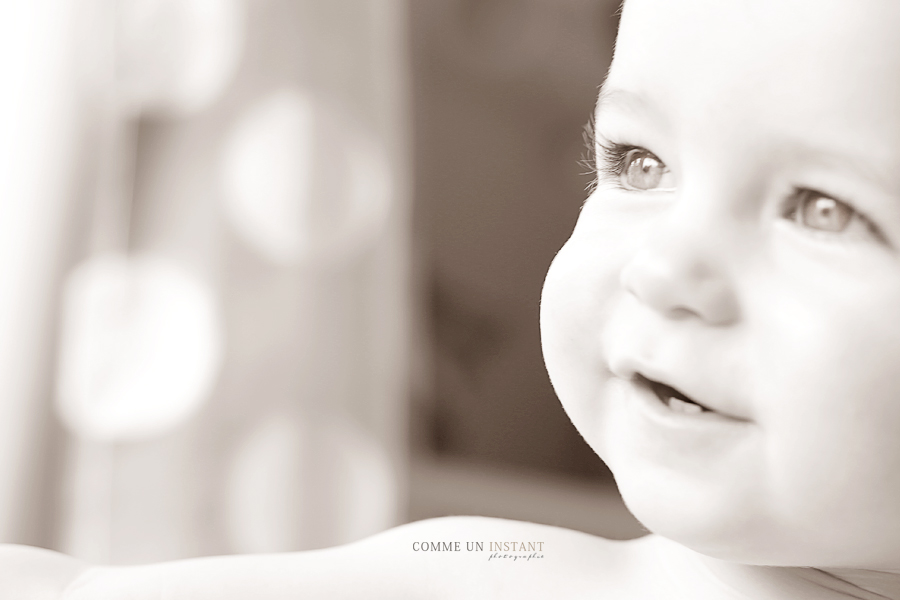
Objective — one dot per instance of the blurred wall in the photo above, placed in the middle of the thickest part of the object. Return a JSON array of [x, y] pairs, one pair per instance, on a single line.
[[208, 294], [503, 89]]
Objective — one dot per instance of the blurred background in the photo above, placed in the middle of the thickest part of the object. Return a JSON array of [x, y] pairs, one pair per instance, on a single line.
[[270, 270]]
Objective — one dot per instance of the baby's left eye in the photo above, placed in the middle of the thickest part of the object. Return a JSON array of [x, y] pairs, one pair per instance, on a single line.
[[823, 213], [814, 210]]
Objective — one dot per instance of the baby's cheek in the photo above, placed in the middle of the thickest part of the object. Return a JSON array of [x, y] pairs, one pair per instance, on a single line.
[[563, 316], [581, 286], [829, 404], [572, 311]]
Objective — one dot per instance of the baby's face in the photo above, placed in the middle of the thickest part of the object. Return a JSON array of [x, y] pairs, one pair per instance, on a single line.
[[743, 248]]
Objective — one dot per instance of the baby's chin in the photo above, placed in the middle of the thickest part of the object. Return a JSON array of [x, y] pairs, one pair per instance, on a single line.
[[749, 537], [723, 528]]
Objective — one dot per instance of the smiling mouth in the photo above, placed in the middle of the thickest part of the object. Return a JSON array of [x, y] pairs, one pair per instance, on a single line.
[[671, 397]]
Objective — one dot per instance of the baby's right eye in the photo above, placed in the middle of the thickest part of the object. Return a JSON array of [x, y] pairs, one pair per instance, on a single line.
[[643, 171], [636, 169]]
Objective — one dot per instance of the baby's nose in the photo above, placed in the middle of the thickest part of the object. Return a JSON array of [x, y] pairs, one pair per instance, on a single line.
[[680, 271]]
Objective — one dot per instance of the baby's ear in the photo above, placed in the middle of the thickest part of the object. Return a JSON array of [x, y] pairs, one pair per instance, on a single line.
[[34, 574]]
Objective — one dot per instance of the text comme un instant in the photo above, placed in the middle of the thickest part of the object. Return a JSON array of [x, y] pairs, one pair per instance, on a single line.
[[478, 546]]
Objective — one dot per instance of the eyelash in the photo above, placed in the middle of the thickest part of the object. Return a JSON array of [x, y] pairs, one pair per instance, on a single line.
[[610, 163], [589, 157], [615, 158]]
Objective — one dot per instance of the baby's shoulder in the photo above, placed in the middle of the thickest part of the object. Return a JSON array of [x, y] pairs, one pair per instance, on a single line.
[[34, 573], [477, 557]]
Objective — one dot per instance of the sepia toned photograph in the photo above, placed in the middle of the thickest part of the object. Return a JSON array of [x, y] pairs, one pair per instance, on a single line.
[[449, 299]]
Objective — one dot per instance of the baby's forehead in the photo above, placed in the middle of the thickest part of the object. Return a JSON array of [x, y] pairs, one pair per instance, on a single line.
[[799, 33], [763, 37], [817, 72]]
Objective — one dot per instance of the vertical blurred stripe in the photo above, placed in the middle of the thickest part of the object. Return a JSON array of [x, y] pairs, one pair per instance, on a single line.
[[37, 124]]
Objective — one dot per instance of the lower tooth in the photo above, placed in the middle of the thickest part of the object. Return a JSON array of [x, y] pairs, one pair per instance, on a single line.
[[684, 407]]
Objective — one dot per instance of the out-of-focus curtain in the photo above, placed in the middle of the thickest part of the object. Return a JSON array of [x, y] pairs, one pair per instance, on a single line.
[[205, 297]]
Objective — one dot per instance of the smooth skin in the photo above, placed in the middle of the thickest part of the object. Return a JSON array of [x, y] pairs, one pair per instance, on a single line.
[[383, 567], [743, 247]]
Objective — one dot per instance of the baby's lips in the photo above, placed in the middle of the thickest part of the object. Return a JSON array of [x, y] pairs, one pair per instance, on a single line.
[[711, 396], [627, 367]]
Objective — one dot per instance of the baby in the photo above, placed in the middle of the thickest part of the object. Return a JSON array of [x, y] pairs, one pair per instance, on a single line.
[[723, 327]]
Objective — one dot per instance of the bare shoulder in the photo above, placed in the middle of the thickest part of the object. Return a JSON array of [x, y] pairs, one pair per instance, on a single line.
[[437, 559], [35, 574], [448, 558]]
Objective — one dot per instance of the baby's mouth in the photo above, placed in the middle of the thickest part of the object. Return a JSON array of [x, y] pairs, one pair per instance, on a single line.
[[671, 397]]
